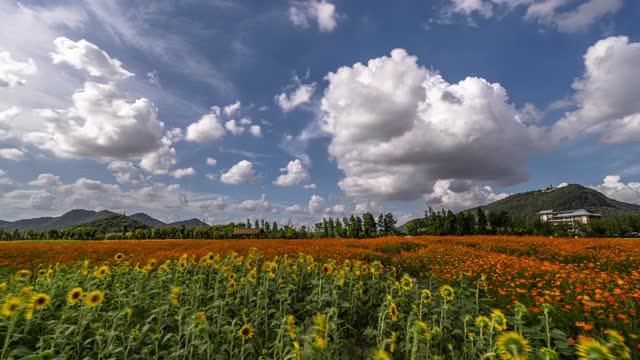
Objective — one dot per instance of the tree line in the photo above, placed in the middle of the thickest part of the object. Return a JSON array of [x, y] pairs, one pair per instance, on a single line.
[[354, 226]]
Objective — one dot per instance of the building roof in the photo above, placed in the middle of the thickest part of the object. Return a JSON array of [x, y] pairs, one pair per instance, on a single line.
[[580, 212], [244, 231], [543, 212]]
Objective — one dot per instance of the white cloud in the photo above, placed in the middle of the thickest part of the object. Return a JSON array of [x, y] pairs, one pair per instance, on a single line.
[[174, 135], [218, 203], [239, 173], [180, 173], [607, 94], [366, 206], [211, 176], [11, 71], [153, 77], [84, 55], [208, 128], [615, 189], [47, 180], [101, 125], [310, 186], [161, 160], [301, 95], [397, 128], [211, 161], [12, 154], [316, 204], [42, 200], [232, 108], [255, 130], [6, 183], [564, 15], [295, 174], [303, 13], [260, 205], [296, 209], [125, 172], [561, 185], [459, 195], [245, 121], [233, 127]]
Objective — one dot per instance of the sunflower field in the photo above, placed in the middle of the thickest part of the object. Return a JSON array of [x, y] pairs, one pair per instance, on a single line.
[[390, 298]]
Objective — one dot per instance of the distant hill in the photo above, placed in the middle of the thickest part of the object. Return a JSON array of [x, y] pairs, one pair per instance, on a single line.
[[189, 223], [571, 197], [147, 220], [67, 220], [115, 223]]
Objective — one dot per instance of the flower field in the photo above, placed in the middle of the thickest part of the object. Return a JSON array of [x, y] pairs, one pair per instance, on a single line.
[[387, 298]]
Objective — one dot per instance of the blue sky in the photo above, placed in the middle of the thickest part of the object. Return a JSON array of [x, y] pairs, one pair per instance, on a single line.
[[313, 108]]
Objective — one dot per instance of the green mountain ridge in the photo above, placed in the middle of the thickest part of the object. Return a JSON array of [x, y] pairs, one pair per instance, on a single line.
[[571, 197], [115, 223]]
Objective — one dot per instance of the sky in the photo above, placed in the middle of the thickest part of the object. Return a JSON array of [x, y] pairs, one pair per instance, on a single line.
[[290, 111]]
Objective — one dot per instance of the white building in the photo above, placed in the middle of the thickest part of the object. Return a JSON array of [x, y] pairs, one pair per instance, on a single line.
[[572, 217]]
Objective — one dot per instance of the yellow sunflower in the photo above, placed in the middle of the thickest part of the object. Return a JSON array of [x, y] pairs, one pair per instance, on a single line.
[[482, 322], [406, 282], [327, 269], [10, 306], [23, 275], [498, 320], [592, 349], [3, 287], [119, 257], [426, 296], [291, 326], [393, 312], [102, 272], [447, 292], [246, 331], [512, 346], [175, 295], [74, 295], [380, 354], [40, 301], [94, 298]]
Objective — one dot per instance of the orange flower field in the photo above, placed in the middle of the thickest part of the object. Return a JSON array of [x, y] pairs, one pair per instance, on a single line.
[[592, 284]]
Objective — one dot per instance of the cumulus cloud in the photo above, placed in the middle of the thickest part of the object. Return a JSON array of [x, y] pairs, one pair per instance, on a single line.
[[295, 174], [218, 203], [125, 172], [564, 15], [208, 128], [161, 160], [180, 173], [300, 95], [316, 204], [458, 195], [6, 183], [11, 71], [255, 130], [231, 109], [211, 161], [310, 186], [46, 180], [260, 205], [239, 173], [153, 77], [367, 206], [295, 209], [86, 56], [607, 94], [397, 128], [233, 127], [615, 189], [102, 124], [42, 200], [12, 154], [303, 13]]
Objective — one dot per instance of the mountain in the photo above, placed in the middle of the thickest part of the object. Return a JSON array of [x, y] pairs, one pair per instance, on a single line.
[[147, 220], [570, 197], [115, 223], [189, 223], [66, 220]]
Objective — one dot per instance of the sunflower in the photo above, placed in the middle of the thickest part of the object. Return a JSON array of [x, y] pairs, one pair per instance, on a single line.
[[10, 306], [548, 354], [592, 349], [423, 328], [3, 287], [246, 331], [49, 275], [482, 322], [152, 263], [163, 269], [498, 320], [252, 277], [40, 301], [102, 272], [327, 269], [232, 286], [23, 275], [392, 341], [175, 295], [426, 296], [129, 313], [376, 267], [42, 272], [182, 265], [201, 316], [406, 282], [94, 298], [296, 349], [321, 328], [615, 342], [26, 292], [29, 313], [119, 257], [393, 312], [291, 326], [512, 346], [74, 295], [361, 288], [447, 292], [380, 354]]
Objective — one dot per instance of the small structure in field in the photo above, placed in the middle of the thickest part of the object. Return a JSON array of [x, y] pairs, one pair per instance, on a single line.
[[572, 217], [243, 233]]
